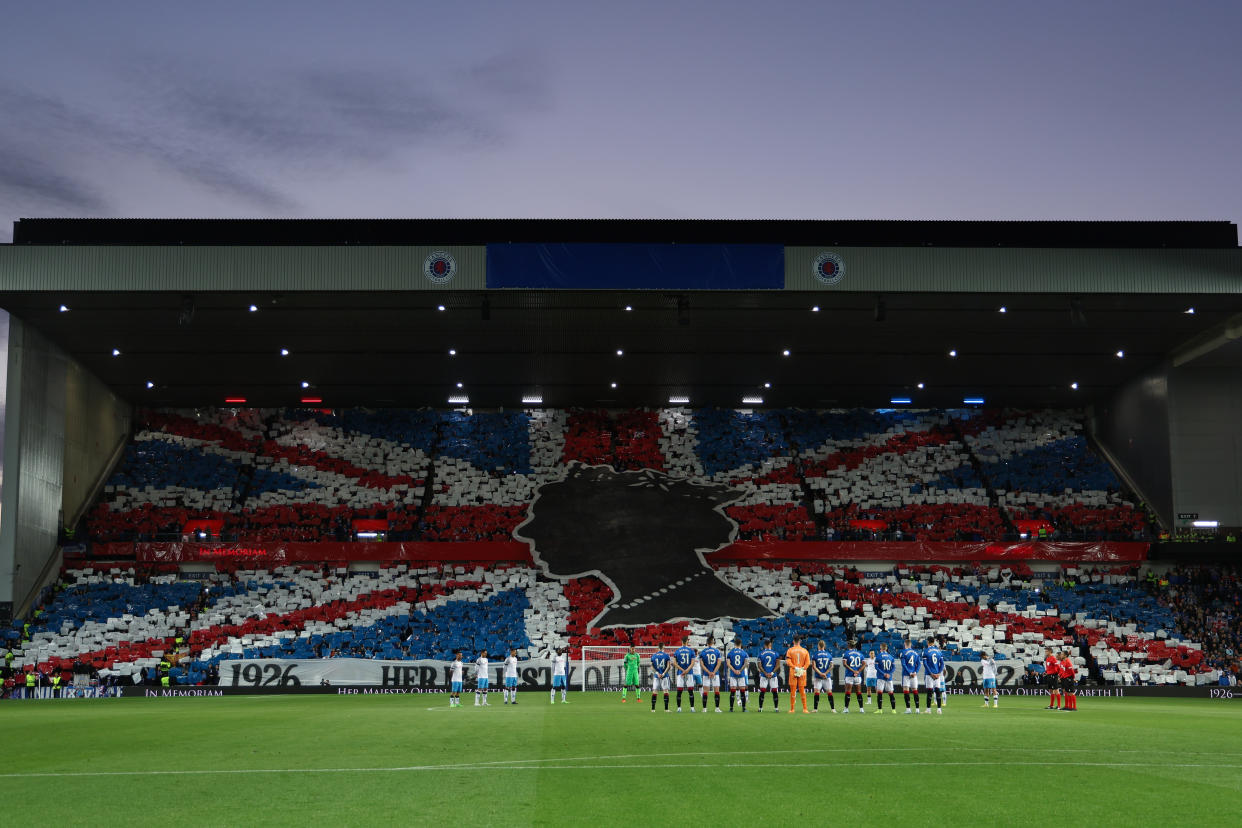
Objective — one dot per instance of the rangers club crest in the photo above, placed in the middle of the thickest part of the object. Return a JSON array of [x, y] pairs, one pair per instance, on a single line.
[[439, 268], [828, 269]]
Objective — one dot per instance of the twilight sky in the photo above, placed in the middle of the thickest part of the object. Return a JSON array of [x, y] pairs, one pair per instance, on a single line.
[[1117, 109]]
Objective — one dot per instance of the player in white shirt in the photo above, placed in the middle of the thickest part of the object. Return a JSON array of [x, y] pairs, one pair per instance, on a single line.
[[455, 671], [480, 680], [987, 666], [560, 677], [869, 678], [510, 689]]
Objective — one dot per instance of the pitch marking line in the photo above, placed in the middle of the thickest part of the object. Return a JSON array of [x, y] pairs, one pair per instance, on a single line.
[[539, 764]]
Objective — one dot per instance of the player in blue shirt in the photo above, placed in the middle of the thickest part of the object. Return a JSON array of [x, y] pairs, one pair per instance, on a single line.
[[737, 660], [910, 660], [821, 675], [684, 660], [852, 661], [885, 664], [661, 673], [933, 672], [769, 675], [710, 663]]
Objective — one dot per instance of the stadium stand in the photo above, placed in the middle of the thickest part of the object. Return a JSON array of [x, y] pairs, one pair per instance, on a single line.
[[122, 623], [446, 476], [854, 474]]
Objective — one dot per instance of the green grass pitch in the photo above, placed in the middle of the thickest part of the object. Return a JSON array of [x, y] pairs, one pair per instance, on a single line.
[[400, 760]]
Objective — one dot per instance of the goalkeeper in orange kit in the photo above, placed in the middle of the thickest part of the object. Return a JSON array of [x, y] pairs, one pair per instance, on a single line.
[[798, 660]]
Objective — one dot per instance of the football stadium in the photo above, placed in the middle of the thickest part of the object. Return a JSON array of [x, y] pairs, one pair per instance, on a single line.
[[891, 522]]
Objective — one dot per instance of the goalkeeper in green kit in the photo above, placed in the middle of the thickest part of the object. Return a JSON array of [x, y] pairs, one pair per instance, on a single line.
[[631, 674]]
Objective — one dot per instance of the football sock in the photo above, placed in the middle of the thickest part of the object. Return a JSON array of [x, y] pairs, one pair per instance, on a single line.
[[776, 700], [906, 695], [666, 701], [718, 699], [745, 698], [679, 698], [831, 703], [892, 699], [817, 701], [654, 696], [732, 698], [762, 693], [705, 701]]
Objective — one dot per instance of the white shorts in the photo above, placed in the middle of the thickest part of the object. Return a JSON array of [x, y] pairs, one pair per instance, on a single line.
[[711, 681], [769, 682], [852, 680], [822, 685], [884, 685], [659, 683], [910, 682], [685, 681], [933, 683], [739, 682]]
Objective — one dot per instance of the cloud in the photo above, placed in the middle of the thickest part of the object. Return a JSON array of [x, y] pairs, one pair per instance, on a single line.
[[519, 78], [27, 179], [251, 137]]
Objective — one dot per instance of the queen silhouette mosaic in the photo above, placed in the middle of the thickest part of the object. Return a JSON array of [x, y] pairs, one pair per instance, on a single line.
[[645, 534]]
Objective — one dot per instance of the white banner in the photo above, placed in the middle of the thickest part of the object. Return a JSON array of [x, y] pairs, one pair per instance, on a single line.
[[277, 673]]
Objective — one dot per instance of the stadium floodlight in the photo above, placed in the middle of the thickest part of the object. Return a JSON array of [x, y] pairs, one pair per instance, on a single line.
[[452, 352], [64, 308], [1120, 354], [532, 399], [150, 384], [1073, 386], [1002, 309], [1205, 524], [612, 385], [629, 308], [678, 400], [814, 308], [919, 386], [253, 308], [1190, 311], [900, 400], [785, 352], [953, 353], [284, 352], [116, 352], [620, 352], [458, 399], [752, 400], [460, 385], [305, 384], [972, 400], [441, 308], [767, 385]]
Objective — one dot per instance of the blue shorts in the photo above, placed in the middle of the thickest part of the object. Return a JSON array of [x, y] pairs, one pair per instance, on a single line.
[[558, 681], [510, 681], [989, 684], [482, 683], [870, 682], [455, 687]]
